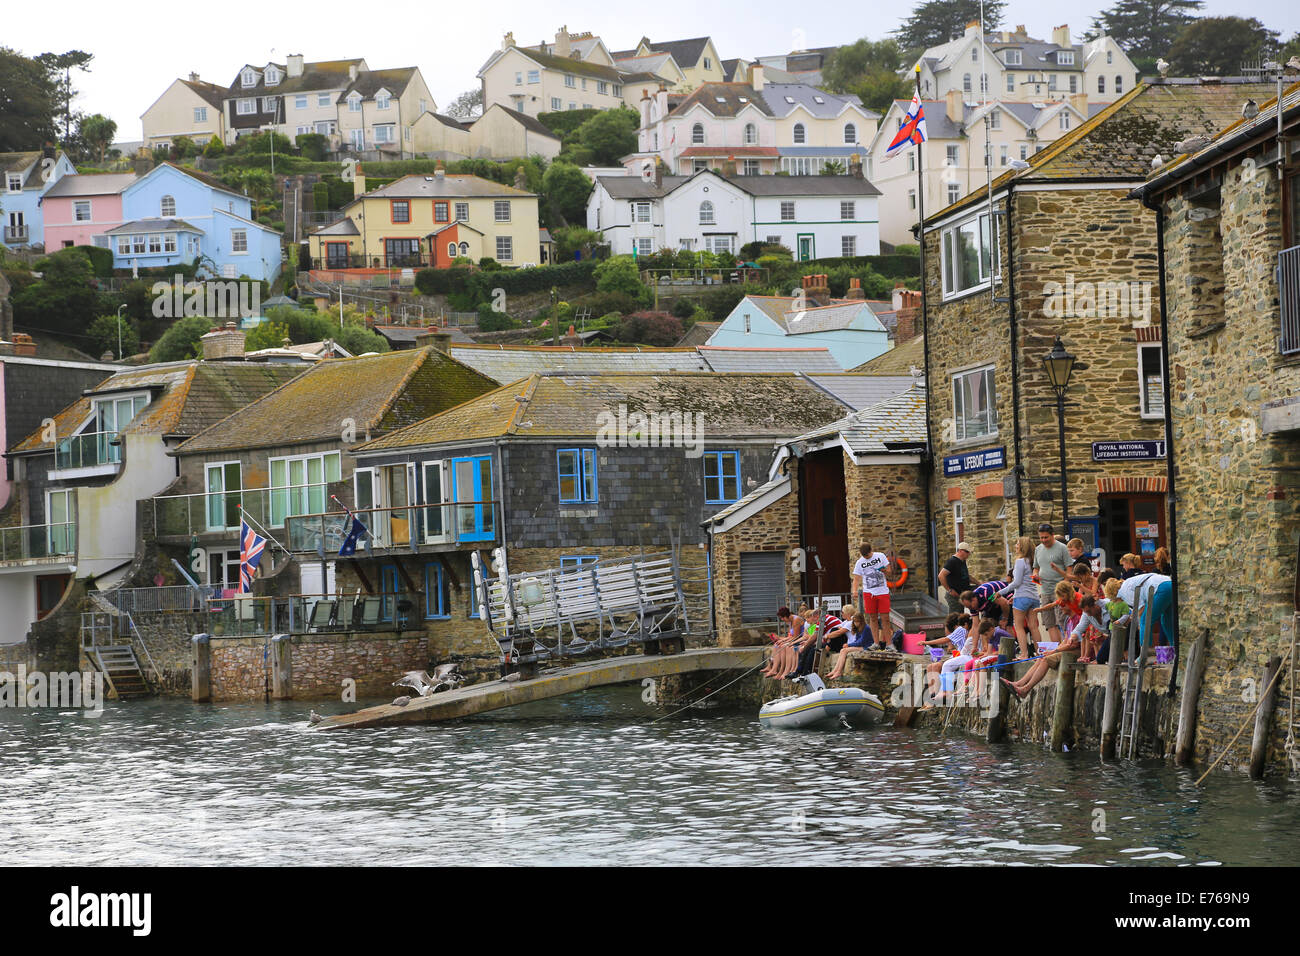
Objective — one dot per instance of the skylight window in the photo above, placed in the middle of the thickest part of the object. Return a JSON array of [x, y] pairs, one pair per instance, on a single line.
[[790, 100], [818, 99], [721, 99], [744, 99]]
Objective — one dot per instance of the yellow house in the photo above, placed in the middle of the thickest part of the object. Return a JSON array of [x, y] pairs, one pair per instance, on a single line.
[[697, 58], [422, 221], [190, 108], [378, 109]]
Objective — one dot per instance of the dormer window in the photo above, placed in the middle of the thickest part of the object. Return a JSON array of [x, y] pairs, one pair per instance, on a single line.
[[272, 76], [249, 78], [381, 100], [15, 182], [1065, 58], [354, 103], [167, 207], [1011, 57]]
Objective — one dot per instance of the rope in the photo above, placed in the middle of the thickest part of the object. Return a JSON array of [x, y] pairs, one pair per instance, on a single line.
[[694, 703], [1290, 747], [1249, 717]]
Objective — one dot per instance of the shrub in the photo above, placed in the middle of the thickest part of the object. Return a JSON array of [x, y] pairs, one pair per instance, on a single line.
[[605, 303], [101, 260], [620, 274], [908, 249], [320, 196], [214, 148], [721, 301], [683, 308], [181, 341], [490, 320], [650, 328], [488, 264], [313, 146], [103, 333]]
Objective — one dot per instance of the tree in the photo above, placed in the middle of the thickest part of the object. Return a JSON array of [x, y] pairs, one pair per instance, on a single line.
[[1145, 29], [103, 334], [313, 146], [59, 67], [609, 135], [64, 300], [27, 103], [467, 105], [650, 328], [1220, 46], [98, 132], [869, 68], [266, 335], [566, 189], [181, 340], [572, 240], [937, 21], [214, 148], [620, 274]]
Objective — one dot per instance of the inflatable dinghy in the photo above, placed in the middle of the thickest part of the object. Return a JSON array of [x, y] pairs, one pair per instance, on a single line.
[[822, 706]]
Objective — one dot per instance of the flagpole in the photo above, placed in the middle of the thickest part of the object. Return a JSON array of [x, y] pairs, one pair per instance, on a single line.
[[932, 555], [262, 531]]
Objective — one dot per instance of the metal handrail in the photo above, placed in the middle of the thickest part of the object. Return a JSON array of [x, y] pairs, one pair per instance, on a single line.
[[245, 615], [88, 449], [406, 527], [24, 542], [178, 515], [1288, 281]]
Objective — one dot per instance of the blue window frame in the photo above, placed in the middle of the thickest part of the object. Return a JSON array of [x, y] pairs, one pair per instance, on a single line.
[[471, 481], [721, 477], [571, 562], [577, 470], [390, 585], [436, 598]]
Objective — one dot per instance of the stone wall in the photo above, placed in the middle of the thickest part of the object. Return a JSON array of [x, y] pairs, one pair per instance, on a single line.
[[1084, 235], [1237, 487], [885, 504]]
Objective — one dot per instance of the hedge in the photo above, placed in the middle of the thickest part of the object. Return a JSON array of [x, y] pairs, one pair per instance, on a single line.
[[478, 284], [891, 266]]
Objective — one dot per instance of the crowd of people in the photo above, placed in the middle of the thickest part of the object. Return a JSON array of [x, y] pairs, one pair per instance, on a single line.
[[1051, 598]]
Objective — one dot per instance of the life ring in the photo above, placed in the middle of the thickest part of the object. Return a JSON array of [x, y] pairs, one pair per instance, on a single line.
[[902, 578]]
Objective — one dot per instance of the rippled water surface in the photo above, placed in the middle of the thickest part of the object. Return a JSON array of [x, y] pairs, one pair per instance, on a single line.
[[589, 779]]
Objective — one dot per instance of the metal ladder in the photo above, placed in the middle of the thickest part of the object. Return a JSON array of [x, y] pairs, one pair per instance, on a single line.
[[1131, 721]]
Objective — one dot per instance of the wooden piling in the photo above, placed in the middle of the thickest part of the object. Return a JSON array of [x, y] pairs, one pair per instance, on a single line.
[[282, 667], [1264, 717], [201, 671], [1063, 714], [1114, 699], [1001, 696], [1185, 741]]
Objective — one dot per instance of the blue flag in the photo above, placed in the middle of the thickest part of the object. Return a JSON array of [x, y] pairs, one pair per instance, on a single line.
[[349, 546]]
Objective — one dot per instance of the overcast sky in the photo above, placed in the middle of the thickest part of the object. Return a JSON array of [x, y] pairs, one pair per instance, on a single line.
[[141, 47]]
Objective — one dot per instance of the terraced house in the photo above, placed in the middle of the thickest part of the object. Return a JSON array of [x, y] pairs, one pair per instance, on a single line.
[[1230, 217], [1062, 256], [27, 177], [430, 221]]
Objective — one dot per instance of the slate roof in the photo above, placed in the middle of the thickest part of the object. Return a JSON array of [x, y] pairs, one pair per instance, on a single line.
[[212, 94], [13, 162], [566, 64], [872, 430], [153, 225], [558, 405], [805, 95], [510, 363], [686, 52], [370, 82], [723, 99], [721, 358], [91, 184], [189, 397], [635, 187], [897, 361], [860, 391], [319, 76], [1119, 143], [698, 334], [450, 185], [404, 336], [757, 499], [344, 227], [379, 393]]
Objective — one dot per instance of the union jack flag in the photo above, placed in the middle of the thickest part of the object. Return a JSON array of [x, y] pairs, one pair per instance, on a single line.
[[912, 132], [251, 546]]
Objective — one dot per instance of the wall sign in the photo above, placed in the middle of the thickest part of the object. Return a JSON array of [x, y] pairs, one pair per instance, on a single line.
[[983, 460], [1127, 450]]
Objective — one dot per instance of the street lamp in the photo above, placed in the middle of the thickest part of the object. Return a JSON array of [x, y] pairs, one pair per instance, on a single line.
[[1060, 364], [119, 330]]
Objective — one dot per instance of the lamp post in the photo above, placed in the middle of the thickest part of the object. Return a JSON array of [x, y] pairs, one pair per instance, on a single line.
[[119, 330], [1060, 364]]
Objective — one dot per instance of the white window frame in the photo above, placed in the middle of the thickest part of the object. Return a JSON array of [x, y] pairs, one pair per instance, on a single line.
[[289, 488], [505, 249], [300, 101], [697, 134], [501, 210], [1065, 58], [788, 214], [238, 237], [602, 86], [963, 432], [958, 523], [354, 103], [200, 114], [442, 469], [752, 167], [78, 207], [209, 494], [15, 182], [167, 207], [1012, 57], [385, 133], [952, 155], [644, 246], [246, 106], [848, 210], [382, 100], [169, 242], [708, 214], [799, 134], [848, 246], [534, 76], [641, 210], [1147, 409], [751, 134], [988, 260], [324, 99], [570, 81], [61, 535], [556, 104], [850, 134], [248, 78]]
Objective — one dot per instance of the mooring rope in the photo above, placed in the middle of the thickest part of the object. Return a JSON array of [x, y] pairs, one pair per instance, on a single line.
[[694, 703]]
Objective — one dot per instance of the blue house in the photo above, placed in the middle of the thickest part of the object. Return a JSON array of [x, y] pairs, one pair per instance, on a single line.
[[27, 176], [173, 215], [847, 327]]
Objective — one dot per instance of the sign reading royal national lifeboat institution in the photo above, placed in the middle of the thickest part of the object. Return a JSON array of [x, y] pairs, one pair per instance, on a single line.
[[1127, 450], [982, 460]]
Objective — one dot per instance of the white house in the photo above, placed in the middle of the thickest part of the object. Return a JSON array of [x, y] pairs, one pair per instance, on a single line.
[[813, 216]]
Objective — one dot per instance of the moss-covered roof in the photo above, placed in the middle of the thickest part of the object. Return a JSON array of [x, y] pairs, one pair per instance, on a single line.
[[897, 361], [376, 393], [547, 406]]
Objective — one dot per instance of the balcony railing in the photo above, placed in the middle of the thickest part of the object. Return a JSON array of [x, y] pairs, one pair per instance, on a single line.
[[16, 233], [407, 528], [219, 511], [88, 450], [38, 541], [1288, 281], [248, 616]]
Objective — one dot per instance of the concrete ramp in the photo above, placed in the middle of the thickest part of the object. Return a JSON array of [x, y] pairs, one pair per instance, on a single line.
[[498, 694]]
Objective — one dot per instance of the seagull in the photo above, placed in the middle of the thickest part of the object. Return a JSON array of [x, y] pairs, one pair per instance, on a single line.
[[1250, 109], [401, 701], [1157, 161], [315, 718], [418, 681], [1018, 164], [1293, 65], [1162, 66], [1192, 143]]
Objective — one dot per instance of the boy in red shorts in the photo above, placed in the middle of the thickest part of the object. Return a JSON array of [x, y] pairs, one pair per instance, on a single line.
[[869, 583]]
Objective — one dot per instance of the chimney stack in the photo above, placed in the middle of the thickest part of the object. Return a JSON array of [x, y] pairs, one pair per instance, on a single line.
[[223, 344], [439, 171], [508, 40], [659, 172], [908, 316], [435, 337], [352, 71], [855, 166], [358, 181], [855, 289], [1061, 35], [1080, 102], [571, 339], [23, 344], [972, 28], [143, 161], [194, 77], [757, 79], [562, 45], [956, 107], [293, 64], [729, 166]]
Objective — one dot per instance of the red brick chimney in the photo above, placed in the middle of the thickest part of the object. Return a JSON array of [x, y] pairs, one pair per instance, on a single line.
[[909, 317], [571, 339], [855, 289]]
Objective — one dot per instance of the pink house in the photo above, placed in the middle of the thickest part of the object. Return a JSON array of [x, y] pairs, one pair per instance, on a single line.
[[80, 207]]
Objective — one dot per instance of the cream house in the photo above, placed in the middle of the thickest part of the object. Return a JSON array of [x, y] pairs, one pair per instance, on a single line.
[[378, 108], [697, 59], [422, 221], [575, 72], [189, 107], [953, 154], [291, 98], [1016, 66], [500, 133]]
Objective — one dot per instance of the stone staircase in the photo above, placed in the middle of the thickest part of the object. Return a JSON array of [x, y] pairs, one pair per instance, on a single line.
[[108, 640], [121, 669]]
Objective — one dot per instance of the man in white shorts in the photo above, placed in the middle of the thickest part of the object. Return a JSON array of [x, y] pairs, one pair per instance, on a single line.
[[869, 583]]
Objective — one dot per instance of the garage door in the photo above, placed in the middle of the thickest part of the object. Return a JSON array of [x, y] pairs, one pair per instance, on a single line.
[[762, 585]]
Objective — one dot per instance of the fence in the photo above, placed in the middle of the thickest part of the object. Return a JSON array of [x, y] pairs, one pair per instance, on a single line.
[[217, 511], [404, 527], [139, 602], [88, 450], [695, 277], [246, 616], [38, 541]]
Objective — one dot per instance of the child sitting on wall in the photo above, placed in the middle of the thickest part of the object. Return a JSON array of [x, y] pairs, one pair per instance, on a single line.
[[1089, 632]]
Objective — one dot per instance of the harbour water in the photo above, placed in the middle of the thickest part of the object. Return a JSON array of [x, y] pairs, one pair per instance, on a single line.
[[595, 779]]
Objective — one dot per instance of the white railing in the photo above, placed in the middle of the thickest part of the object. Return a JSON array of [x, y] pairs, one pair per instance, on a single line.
[[1288, 282]]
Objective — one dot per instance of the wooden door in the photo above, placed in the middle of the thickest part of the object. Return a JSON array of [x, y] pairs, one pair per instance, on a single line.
[[825, 525]]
